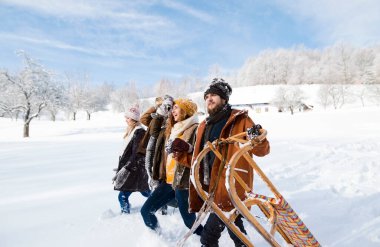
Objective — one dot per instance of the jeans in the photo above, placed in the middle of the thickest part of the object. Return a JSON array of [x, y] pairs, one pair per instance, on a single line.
[[124, 202], [214, 228], [161, 196]]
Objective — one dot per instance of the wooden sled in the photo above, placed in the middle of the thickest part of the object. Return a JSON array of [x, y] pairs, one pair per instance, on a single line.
[[281, 216]]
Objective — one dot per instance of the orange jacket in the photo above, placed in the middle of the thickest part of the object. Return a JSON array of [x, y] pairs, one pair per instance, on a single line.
[[238, 122]]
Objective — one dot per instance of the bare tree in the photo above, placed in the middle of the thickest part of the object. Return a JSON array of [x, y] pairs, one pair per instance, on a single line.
[[77, 85], [330, 95], [123, 97], [32, 87], [94, 100], [58, 101], [323, 95], [10, 101], [290, 98], [214, 71]]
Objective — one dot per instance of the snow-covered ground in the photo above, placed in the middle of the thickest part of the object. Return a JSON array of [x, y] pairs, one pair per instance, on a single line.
[[56, 190]]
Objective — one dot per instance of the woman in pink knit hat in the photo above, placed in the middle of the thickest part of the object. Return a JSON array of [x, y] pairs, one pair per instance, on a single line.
[[131, 175]]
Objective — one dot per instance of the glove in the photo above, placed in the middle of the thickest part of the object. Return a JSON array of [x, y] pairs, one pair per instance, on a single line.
[[114, 178], [168, 147], [164, 110], [121, 177], [179, 145]]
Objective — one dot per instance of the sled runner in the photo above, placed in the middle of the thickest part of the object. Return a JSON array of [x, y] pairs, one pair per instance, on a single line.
[[279, 213]]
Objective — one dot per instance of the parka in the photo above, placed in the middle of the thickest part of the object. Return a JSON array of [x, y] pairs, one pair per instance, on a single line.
[[134, 161], [238, 122], [154, 129]]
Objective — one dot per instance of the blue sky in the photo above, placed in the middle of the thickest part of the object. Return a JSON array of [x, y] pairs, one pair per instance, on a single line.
[[119, 41]]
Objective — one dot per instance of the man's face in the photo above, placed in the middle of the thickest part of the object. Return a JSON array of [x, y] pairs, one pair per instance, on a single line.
[[214, 103]]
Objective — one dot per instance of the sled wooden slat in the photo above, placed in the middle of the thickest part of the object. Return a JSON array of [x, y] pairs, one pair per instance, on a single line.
[[287, 222], [204, 195]]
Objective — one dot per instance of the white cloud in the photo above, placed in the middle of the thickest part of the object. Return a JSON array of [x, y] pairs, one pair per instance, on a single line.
[[114, 12], [354, 21], [123, 25], [203, 16], [64, 46]]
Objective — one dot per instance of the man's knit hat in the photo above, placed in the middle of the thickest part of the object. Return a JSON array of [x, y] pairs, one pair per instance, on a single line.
[[220, 87], [133, 113], [187, 105]]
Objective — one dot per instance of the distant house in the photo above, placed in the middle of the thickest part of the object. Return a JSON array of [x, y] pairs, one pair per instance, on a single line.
[[257, 107], [305, 107]]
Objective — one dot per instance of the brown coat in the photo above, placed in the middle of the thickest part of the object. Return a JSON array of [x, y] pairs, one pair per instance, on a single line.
[[154, 129], [238, 122]]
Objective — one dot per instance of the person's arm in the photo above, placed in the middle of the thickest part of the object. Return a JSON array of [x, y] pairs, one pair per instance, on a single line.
[[155, 126], [146, 117]]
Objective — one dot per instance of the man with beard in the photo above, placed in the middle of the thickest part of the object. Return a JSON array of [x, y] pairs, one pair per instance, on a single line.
[[222, 122]]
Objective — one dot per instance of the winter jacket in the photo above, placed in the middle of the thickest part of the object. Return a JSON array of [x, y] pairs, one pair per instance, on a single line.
[[158, 166], [134, 161], [154, 123], [155, 129], [238, 122], [182, 170]]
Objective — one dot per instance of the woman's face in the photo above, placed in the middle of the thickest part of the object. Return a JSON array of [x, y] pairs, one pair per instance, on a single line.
[[177, 113], [129, 121]]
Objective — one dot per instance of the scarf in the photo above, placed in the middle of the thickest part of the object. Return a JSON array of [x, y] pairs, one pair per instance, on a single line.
[[180, 127], [220, 117]]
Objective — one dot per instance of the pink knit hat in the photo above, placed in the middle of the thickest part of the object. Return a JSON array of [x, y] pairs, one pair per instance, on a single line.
[[133, 113]]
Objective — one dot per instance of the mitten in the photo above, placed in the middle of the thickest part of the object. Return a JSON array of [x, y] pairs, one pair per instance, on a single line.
[[114, 178], [121, 177], [180, 145], [168, 147], [164, 110]]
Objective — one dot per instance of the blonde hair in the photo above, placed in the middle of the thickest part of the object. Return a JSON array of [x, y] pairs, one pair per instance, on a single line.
[[130, 128]]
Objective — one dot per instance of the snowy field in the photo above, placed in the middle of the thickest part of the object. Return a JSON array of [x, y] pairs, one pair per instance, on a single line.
[[56, 190]]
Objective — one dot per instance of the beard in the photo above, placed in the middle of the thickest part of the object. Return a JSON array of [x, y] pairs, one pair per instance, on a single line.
[[216, 109]]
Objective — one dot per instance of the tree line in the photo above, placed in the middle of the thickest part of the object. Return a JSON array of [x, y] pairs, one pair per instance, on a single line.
[[36, 90]]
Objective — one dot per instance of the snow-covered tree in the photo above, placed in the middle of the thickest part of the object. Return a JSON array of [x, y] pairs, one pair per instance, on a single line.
[[166, 86], [331, 95], [32, 87], [214, 71], [9, 98], [58, 101], [288, 98], [77, 85], [124, 97], [323, 95], [94, 100]]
